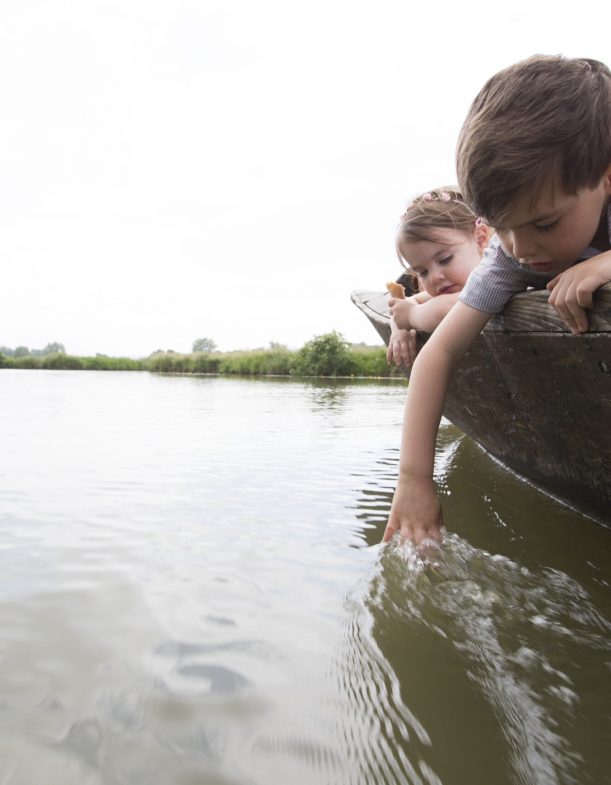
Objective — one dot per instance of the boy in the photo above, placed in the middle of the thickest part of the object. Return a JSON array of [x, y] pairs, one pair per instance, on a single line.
[[534, 160]]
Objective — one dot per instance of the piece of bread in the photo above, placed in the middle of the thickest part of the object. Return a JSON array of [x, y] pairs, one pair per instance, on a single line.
[[396, 290]]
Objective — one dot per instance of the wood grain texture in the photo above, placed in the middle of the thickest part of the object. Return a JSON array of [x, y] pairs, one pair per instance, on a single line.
[[526, 312]]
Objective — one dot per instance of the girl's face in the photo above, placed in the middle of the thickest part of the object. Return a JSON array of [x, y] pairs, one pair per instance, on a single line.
[[444, 263]]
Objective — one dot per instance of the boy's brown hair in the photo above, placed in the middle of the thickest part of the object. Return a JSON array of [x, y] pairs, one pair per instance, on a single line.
[[543, 122]]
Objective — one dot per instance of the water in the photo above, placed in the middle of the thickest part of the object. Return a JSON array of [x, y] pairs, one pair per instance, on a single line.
[[192, 592]]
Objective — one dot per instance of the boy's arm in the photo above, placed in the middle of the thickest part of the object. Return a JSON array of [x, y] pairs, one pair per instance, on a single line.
[[416, 511], [424, 316], [571, 291]]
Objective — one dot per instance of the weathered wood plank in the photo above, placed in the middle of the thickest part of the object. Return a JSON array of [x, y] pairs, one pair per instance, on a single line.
[[530, 312], [538, 400], [526, 312], [542, 406]]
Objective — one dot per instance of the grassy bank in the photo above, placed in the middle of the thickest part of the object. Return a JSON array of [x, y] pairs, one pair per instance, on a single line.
[[324, 355]]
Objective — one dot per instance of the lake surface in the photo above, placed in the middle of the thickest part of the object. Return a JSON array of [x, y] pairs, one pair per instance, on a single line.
[[193, 593]]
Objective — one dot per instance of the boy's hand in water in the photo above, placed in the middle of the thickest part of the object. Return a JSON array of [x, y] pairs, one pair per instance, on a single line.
[[415, 511], [571, 291]]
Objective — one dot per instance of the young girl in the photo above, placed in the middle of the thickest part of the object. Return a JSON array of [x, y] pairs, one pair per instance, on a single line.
[[439, 241]]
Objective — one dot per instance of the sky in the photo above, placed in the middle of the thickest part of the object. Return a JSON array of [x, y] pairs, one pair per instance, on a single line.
[[179, 169]]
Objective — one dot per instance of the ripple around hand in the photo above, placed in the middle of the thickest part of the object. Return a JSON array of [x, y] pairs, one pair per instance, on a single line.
[[520, 638]]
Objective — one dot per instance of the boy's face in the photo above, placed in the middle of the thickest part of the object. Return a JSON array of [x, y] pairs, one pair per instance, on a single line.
[[549, 237]]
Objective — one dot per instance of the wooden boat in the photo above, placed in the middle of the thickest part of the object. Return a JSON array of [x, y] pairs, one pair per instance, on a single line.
[[535, 396]]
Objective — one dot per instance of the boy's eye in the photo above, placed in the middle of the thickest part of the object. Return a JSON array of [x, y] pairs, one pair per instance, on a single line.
[[545, 227], [422, 273]]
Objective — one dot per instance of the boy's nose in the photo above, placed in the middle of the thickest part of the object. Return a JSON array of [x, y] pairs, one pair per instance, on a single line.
[[522, 247]]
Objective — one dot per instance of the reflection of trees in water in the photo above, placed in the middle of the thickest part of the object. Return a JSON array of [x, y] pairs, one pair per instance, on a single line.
[[328, 394], [373, 504]]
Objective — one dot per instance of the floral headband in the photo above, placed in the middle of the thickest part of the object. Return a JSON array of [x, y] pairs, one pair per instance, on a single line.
[[438, 196]]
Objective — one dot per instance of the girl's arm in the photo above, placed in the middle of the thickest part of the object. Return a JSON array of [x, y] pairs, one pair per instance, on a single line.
[[424, 316]]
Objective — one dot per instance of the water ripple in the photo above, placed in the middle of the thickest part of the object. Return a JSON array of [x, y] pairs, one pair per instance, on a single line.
[[519, 635]]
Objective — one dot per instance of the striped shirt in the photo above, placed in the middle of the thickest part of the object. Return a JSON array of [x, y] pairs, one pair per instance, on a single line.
[[499, 276]]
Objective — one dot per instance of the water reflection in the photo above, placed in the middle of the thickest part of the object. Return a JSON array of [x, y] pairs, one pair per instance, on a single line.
[[193, 592], [375, 498], [499, 654], [331, 394]]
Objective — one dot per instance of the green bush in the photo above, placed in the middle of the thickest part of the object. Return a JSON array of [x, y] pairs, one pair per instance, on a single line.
[[278, 362], [60, 362], [167, 362], [259, 362], [25, 361], [203, 363], [103, 363], [371, 361], [325, 355]]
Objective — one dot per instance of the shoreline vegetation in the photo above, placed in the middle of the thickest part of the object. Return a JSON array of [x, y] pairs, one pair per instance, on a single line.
[[325, 355]]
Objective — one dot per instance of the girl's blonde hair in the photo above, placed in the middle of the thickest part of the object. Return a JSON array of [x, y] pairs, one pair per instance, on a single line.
[[441, 208]]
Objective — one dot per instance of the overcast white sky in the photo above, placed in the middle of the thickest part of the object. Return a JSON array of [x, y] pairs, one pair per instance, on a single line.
[[177, 169]]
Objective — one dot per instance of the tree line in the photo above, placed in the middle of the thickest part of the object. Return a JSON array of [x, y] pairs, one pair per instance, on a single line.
[[23, 351], [325, 355]]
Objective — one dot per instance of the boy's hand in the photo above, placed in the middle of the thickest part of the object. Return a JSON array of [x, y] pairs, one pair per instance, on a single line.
[[571, 291], [415, 511], [402, 348]]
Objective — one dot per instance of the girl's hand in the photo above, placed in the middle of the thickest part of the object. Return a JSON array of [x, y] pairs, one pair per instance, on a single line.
[[400, 310], [402, 348], [415, 512]]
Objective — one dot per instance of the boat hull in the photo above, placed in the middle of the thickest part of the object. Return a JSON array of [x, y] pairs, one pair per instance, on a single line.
[[535, 396]]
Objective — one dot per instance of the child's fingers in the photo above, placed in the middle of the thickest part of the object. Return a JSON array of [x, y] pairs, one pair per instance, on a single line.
[[584, 297], [574, 316], [578, 317], [552, 284], [570, 298], [389, 531], [412, 346], [398, 353]]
